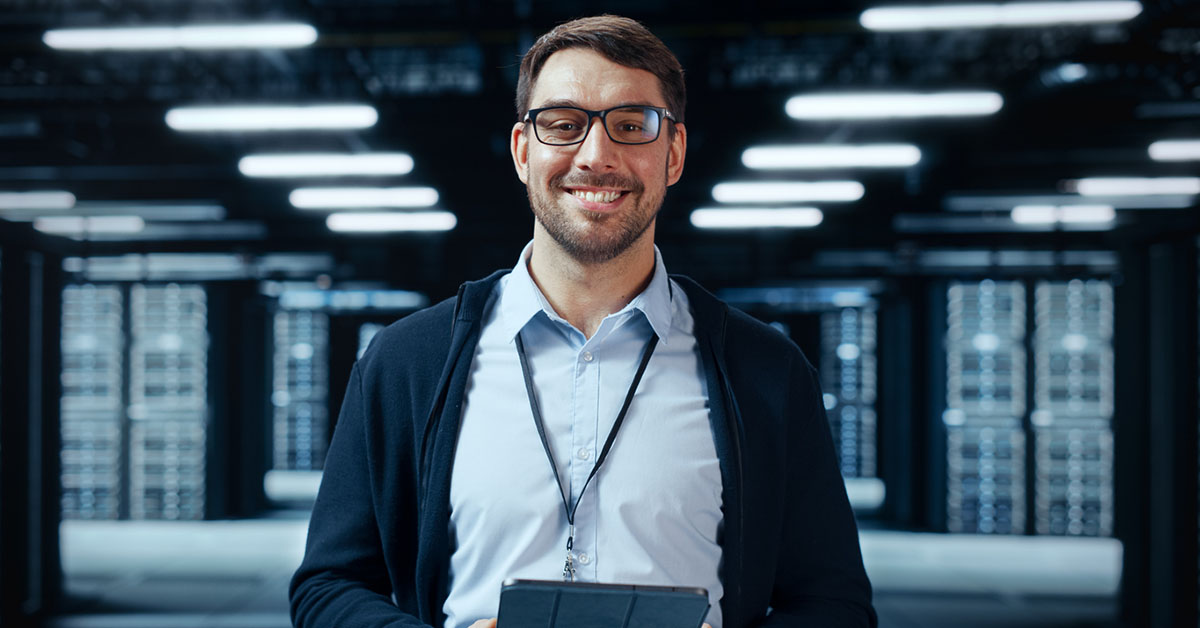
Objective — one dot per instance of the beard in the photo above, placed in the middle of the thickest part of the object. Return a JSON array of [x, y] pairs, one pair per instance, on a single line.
[[590, 237]]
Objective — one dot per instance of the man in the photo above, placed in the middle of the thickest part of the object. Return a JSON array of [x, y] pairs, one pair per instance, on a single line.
[[584, 416]]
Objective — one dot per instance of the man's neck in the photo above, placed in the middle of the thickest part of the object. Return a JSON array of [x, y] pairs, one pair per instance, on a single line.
[[583, 294]]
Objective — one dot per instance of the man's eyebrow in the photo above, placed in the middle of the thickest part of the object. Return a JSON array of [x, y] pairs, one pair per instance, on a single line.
[[567, 102]]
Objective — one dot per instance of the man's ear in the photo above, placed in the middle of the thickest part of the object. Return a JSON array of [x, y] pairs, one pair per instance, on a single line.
[[676, 153], [519, 146]]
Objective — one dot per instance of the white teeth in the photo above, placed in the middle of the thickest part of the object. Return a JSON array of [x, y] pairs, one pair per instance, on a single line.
[[597, 197]]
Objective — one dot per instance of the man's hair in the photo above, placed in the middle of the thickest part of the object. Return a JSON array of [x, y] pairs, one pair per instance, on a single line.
[[618, 39]]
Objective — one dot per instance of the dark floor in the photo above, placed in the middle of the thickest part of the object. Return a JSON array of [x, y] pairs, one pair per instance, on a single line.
[[234, 574]]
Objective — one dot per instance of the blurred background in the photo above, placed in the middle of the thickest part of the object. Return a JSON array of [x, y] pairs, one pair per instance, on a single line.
[[979, 222]]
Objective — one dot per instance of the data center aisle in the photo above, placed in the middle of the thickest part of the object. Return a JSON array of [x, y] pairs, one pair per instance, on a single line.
[[234, 574]]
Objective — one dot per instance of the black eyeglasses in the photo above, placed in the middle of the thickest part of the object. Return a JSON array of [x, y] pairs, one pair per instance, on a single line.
[[629, 124]]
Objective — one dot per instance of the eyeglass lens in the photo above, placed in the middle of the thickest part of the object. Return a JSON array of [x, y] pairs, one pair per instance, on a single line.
[[628, 125]]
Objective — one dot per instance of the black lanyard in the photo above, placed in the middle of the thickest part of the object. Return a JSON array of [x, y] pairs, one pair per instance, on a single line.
[[569, 567]]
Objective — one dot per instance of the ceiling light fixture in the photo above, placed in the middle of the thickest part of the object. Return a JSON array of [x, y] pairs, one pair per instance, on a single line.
[[891, 105], [350, 198], [1175, 150], [382, 222], [1136, 186], [83, 225], [50, 200], [788, 192], [997, 15], [1064, 214], [194, 37], [756, 217], [272, 118], [816, 156], [326, 165]]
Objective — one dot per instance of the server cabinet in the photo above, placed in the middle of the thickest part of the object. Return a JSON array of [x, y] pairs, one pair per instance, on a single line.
[[135, 414], [1073, 408], [985, 403], [93, 403], [848, 374], [300, 389]]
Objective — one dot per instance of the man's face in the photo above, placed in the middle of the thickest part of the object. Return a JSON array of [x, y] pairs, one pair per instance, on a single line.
[[627, 183]]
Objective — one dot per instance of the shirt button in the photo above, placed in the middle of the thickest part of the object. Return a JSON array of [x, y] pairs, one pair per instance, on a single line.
[[584, 559], [584, 453], [588, 357]]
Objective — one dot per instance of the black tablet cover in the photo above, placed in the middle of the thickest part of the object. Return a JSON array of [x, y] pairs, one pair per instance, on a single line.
[[550, 604]]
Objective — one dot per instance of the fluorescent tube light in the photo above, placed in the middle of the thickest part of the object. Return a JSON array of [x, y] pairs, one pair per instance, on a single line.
[[326, 165], [1077, 214], [997, 15], [379, 222], [1137, 186], [42, 200], [1175, 150], [890, 105], [1035, 214], [272, 118], [1064, 214], [195, 37], [787, 192], [82, 225], [815, 156], [756, 218], [349, 198]]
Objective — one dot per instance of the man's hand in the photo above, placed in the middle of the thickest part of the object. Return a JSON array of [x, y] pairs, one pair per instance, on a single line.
[[491, 623]]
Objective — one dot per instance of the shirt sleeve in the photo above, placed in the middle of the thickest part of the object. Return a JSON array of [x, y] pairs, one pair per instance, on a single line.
[[343, 580], [820, 579]]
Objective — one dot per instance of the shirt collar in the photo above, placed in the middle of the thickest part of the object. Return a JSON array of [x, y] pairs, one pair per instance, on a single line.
[[521, 299]]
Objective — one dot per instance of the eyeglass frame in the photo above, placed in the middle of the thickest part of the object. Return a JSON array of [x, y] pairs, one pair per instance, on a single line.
[[531, 115]]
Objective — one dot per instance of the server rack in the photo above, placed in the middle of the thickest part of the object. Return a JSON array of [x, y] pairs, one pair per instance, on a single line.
[[848, 373], [985, 404], [168, 401], [1073, 408], [1029, 407], [93, 403], [300, 389]]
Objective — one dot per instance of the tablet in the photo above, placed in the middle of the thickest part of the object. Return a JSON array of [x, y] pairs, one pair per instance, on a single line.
[[551, 604]]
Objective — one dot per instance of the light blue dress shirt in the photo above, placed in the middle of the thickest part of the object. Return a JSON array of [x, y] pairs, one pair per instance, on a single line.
[[652, 513]]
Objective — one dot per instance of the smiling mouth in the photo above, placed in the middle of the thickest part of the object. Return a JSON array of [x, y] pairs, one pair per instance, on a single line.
[[597, 196]]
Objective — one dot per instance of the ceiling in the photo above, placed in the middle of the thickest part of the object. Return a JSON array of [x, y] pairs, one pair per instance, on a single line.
[[1079, 101]]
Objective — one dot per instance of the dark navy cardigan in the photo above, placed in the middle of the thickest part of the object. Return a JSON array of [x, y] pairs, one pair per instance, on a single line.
[[378, 551]]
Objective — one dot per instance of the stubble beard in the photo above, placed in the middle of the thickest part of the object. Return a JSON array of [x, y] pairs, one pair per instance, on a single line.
[[591, 237]]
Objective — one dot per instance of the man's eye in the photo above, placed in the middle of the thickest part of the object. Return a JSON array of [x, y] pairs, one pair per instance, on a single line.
[[564, 126], [630, 127]]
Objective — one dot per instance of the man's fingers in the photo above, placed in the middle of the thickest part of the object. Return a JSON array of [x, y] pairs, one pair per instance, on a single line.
[[491, 623], [706, 626]]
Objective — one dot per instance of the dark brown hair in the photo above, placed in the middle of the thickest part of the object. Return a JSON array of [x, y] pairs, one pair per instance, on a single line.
[[620, 40]]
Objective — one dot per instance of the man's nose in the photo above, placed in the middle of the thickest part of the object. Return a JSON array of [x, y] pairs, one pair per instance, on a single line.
[[597, 152]]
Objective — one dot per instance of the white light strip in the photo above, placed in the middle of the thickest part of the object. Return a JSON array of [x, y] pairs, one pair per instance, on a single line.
[[1137, 186], [269, 118], [379, 222], [756, 218], [884, 105], [1064, 214], [79, 225], [788, 192], [1175, 150], [997, 15], [350, 198], [196, 37], [326, 165], [42, 200], [816, 156]]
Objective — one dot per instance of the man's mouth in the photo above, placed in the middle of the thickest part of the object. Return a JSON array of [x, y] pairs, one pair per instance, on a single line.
[[596, 196]]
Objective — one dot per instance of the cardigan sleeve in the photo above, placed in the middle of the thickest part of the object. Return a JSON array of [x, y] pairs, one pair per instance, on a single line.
[[343, 580], [820, 579]]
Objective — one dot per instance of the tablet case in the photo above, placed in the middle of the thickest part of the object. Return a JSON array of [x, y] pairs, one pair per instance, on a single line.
[[550, 604]]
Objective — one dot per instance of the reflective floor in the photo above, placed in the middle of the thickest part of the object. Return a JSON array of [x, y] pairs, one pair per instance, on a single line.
[[234, 574]]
